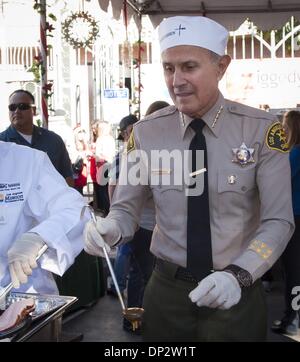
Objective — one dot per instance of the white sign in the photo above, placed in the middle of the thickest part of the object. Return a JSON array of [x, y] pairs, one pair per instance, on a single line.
[[275, 82], [115, 104]]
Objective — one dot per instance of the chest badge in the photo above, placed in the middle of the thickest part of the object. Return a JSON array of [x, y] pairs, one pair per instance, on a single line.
[[243, 155]]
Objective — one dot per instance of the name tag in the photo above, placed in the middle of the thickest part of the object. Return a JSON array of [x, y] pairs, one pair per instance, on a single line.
[[160, 171]]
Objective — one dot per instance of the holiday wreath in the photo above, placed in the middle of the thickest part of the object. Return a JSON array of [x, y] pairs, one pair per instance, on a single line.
[[80, 30]]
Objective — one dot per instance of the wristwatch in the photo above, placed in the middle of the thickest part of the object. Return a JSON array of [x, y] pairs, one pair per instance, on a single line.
[[243, 277]]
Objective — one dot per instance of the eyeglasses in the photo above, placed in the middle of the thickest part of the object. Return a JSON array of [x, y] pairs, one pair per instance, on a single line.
[[21, 106]]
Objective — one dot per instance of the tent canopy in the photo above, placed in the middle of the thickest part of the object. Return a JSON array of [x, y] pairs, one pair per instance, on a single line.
[[266, 14]]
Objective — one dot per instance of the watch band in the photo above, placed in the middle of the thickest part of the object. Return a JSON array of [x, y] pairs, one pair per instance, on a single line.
[[243, 277]]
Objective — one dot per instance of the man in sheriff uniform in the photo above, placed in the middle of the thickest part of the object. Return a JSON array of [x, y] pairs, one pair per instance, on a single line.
[[212, 246]]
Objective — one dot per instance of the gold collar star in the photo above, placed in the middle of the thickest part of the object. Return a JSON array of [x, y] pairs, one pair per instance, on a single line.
[[243, 155]]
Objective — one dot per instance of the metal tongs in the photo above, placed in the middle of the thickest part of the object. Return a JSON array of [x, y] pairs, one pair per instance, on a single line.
[[133, 315], [6, 290]]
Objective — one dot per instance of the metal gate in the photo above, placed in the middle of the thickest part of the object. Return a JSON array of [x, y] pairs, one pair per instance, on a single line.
[[248, 42]]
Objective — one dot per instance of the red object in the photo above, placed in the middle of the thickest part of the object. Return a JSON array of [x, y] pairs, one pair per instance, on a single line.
[[93, 168], [81, 180]]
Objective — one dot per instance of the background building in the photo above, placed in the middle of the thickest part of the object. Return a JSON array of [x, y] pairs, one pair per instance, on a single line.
[[89, 83]]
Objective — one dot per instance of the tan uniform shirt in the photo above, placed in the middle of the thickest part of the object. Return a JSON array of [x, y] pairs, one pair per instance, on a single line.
[[250, 206]]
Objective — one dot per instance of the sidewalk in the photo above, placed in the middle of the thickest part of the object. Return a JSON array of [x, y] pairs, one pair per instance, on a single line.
[[100, 323]]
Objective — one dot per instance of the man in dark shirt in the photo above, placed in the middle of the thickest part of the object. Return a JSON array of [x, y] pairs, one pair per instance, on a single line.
[[23, 132]]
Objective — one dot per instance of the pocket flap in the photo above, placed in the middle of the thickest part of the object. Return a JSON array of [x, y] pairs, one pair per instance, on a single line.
[[164, 188], [239, 181]]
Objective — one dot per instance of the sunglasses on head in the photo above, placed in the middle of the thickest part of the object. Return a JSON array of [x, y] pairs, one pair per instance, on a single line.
[[21, 106]]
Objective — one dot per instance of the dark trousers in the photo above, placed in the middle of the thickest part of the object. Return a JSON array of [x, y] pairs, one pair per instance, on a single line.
[[170, 316], [101, 198], [142, 263], [291, 265]]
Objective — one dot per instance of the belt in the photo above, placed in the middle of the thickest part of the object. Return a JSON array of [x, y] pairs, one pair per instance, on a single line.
[[174, 271]]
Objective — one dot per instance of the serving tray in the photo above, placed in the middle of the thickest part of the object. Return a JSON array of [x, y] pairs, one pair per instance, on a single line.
[[47, 307]]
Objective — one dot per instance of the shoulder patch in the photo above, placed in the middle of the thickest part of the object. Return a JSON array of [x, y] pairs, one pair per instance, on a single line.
[[276, 138], [130, 143]]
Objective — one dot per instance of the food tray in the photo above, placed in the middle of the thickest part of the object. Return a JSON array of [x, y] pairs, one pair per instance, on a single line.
[[44, 304], [47, 308]]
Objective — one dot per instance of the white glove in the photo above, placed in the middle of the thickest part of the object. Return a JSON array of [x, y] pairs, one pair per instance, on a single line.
[[103, 235], [218, 290], [22, 257]]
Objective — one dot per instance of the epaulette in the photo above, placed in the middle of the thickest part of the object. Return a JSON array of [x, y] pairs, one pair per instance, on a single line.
[[158, 114], [251, 112]]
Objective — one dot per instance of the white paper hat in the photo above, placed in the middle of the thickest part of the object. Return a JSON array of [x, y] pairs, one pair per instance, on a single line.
[[192, 30]]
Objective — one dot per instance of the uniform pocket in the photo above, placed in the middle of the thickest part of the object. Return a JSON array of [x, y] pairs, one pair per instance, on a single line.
[[239, 181], [236, 191], [167, 195]]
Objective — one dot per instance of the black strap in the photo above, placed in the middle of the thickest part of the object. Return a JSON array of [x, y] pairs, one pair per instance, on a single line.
[[199, 254]]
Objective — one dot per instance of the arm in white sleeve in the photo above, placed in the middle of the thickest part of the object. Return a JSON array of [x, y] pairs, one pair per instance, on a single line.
[[57, 209]]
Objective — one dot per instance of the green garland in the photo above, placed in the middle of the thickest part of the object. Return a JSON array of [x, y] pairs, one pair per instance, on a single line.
[[80, 41]]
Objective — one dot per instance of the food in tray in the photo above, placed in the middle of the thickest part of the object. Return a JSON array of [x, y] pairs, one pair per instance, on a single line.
[[16, 313]]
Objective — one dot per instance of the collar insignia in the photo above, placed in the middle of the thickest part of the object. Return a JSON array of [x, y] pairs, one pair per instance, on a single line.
[[130, 143]]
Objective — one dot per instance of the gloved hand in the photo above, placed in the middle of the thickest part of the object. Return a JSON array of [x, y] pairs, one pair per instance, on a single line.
[[104, 234], [21, 257], [218, 290]]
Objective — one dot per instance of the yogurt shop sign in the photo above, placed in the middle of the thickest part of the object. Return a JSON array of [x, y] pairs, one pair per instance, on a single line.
[[275, 82]]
